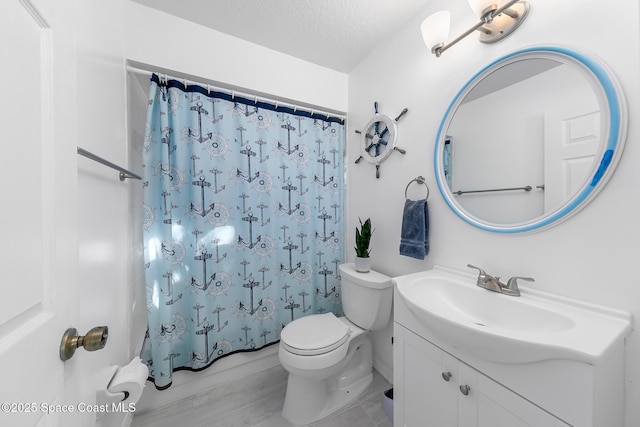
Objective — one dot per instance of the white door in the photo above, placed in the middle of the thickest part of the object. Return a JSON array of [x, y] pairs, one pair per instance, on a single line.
[[571, 144], [39, 214]]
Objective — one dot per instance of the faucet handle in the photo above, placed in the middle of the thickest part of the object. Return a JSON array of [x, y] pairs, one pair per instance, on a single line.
[[512, 285], [482, 275], [481, 272]]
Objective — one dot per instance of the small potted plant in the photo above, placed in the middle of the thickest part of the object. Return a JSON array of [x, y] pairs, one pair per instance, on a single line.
[[363, 239]]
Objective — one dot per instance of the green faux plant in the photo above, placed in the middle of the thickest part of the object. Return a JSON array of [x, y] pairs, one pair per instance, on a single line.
[[363, 238]]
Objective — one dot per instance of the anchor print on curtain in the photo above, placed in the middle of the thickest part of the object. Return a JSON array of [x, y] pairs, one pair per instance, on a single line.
[[243, 228]]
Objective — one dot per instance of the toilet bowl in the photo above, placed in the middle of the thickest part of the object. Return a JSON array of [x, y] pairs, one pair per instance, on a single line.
[[329, 358]]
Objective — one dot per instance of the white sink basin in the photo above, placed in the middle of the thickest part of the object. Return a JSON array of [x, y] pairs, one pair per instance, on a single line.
[[535, 326]]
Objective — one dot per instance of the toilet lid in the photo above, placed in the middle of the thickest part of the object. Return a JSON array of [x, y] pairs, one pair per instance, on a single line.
[[314, 334]]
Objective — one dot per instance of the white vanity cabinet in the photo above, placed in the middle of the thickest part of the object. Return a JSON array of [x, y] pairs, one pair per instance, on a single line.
[[538, 360], [434, 389]]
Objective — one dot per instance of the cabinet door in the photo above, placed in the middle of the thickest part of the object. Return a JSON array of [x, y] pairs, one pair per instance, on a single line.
[[423, 396], [489, 404]]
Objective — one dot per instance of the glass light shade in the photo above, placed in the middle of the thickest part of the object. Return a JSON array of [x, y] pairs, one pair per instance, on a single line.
[[435, 29], [479, 5]]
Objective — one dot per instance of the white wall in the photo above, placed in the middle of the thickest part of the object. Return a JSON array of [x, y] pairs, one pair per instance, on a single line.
[[165, 42], [593, 255], [159, 42]]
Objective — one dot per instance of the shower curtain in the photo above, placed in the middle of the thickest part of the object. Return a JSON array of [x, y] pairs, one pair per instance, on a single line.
[[243, 226]]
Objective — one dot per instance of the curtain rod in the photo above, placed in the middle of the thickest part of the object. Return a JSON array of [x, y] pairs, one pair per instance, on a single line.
[[210, 87]]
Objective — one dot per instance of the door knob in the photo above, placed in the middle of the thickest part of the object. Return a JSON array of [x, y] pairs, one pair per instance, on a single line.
[[464, 389], [94, 340]]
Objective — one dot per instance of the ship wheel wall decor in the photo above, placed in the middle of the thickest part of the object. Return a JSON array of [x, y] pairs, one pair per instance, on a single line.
[[379, 138]]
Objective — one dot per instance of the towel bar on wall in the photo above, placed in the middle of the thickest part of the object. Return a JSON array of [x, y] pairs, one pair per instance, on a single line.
[[124, 174]]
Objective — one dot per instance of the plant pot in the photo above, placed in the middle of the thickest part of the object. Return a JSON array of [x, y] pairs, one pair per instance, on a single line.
[[363, 265]]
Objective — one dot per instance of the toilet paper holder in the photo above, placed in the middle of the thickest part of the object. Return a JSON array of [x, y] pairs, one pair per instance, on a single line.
[[94, 340]]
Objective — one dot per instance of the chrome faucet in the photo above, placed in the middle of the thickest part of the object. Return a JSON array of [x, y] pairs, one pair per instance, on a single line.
[[487, 281], [494, 284]]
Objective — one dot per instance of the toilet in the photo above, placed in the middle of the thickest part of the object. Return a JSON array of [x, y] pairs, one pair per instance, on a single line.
[[329, 358]]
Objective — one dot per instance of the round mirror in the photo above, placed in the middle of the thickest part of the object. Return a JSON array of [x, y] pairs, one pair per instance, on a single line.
[[530, 139]]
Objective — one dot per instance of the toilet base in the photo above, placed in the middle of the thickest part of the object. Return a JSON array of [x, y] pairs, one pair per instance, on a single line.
[[309, 400], [318, 404]]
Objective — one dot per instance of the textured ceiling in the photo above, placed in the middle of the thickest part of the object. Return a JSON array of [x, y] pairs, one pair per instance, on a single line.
[[337, 34]]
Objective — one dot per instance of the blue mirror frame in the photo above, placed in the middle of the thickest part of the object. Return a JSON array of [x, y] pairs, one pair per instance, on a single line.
[[611, 98]]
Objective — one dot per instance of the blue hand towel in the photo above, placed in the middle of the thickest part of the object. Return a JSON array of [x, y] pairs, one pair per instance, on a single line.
[[414, 237]]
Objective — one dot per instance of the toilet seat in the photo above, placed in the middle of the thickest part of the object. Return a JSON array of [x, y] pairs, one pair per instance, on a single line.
[[314, 335]]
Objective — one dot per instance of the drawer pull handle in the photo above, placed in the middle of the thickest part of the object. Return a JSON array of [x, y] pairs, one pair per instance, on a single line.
[[446, 376], [464, 389]]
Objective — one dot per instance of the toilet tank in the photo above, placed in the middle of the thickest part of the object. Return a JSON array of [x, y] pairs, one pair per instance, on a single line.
[[366, 297]]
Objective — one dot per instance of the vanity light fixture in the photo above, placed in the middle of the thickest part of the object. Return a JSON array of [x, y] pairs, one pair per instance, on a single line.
[[496, 22]]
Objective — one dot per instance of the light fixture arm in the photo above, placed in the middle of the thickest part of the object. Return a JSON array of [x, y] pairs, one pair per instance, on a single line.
[[504, 8], [439, 48], [486, 18]]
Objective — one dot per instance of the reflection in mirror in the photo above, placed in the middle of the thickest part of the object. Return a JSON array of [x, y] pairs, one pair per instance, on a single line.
[[545, 139], [522, 142]]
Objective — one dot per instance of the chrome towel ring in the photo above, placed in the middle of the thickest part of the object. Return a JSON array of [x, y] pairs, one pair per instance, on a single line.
[[419, 180]]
